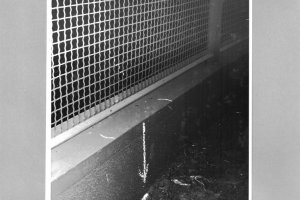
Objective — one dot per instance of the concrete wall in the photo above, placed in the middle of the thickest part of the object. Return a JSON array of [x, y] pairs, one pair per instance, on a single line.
[[22, 99]]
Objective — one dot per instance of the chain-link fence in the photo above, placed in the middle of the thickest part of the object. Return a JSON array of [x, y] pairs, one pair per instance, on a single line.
[[104, 51]]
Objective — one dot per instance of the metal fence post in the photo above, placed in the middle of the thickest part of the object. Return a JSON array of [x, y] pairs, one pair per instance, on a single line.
[[215, 26]]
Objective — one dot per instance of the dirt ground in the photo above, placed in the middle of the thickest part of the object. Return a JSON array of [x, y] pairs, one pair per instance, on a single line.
[[213, 165]]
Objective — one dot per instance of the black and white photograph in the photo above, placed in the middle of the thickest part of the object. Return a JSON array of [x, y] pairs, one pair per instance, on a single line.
[[149, 100]]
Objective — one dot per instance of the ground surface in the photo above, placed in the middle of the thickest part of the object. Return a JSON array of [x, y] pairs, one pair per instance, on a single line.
[[213, 164]]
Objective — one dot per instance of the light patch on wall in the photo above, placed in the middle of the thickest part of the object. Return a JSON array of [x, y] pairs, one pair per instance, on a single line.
[[107, 137]]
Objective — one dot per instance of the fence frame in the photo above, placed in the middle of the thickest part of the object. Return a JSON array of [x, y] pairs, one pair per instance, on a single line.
[[214, 48]]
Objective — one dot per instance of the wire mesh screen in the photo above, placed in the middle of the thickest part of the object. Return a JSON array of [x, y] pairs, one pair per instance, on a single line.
[[235, 23], [106, 50]]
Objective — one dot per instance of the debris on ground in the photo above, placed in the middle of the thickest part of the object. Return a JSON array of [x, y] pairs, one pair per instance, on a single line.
[[192, 178]]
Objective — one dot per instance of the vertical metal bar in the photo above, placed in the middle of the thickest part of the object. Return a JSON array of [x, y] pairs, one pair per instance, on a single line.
[[214, 31]]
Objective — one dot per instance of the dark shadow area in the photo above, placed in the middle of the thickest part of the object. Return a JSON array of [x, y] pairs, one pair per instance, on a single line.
[[213, 159]]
